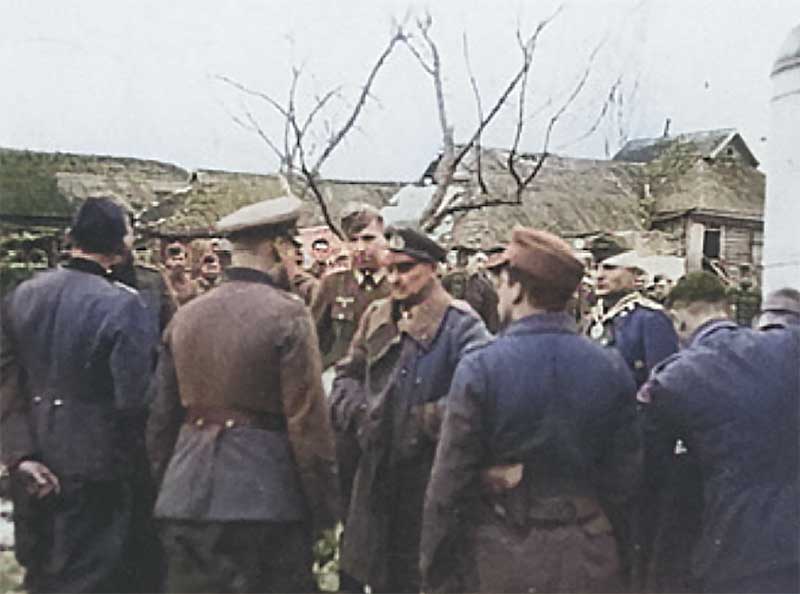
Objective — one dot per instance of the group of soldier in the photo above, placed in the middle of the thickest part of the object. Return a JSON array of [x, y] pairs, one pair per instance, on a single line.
[[513, 451]]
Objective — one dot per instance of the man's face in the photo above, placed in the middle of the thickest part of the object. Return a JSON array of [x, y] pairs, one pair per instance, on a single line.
[[507, 295], [210, 267], [320, 250], [175, 256], [407, 276], [366, 246], [614, 279]]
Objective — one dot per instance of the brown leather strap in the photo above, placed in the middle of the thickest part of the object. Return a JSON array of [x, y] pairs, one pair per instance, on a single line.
[[229, 418]]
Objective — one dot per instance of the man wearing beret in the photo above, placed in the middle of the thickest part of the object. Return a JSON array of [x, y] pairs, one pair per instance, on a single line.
[[239, 428], [76, 354], [732, 394], [528, 460], [391, 391]]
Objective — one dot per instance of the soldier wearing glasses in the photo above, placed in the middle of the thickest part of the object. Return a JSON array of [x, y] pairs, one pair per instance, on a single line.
[[391, 390]]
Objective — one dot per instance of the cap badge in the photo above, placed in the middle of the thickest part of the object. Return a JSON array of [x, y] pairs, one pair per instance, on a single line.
[[396, 242]]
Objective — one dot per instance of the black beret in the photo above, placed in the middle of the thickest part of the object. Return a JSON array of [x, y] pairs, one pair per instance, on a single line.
[[405, 240], [697, 287], [99, 226]]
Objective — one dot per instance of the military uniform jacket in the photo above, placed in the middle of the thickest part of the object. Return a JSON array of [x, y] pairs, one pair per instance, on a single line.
[[392, 387], [337, 306], [542, 396], [77, 353], [249, 346], [639, 329], [733, 396]]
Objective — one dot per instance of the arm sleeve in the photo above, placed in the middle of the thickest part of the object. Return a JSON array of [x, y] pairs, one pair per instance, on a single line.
[[17, 438], [348, 396], [660, 339], [308, 424], [166, 414], [454, 486], [132, 355]]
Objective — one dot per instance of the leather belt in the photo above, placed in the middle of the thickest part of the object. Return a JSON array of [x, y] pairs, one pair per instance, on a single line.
[[200, 416]]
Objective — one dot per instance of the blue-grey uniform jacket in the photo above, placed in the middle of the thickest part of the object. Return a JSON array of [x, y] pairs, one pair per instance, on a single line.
[[392, 390], [77, 353], [733, 396], [541, 396], [639, 329]]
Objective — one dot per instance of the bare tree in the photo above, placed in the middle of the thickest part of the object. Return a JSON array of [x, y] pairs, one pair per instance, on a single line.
[[297, 159], [437, 209]]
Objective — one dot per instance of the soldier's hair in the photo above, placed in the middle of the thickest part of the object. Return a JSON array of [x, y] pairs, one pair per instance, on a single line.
[[539, 293], [357, 217], [697, 287], [99, 226]]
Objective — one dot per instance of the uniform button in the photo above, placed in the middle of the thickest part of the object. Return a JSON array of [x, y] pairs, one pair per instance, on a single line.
[[623, 314], [229, 423], [200, 422], [339, 316], [58, 402], [403, 371], [604, 342], [37, 399], [418, 381], [638, 364]]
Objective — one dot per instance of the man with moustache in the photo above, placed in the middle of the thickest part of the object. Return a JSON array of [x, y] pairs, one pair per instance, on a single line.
[[391, 390], [538, 437], [239, 429], [76, 356]]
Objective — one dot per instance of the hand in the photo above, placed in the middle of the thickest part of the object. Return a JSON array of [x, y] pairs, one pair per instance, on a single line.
[[502, 478], [39, 480]]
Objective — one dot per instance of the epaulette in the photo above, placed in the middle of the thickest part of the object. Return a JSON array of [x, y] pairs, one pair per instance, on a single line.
[[648, 303], [126, 287]]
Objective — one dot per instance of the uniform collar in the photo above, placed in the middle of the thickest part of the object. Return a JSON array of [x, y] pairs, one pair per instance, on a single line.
[[86, 265], [421, 322], [709, 328], [248, 275], [368, 281], [559, 322]]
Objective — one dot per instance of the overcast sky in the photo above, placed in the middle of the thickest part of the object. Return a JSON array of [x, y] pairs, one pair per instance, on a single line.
[[139, 77]]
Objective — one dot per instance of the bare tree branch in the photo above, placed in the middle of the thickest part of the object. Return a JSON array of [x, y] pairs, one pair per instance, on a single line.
[[479, 107], [248, 91], [342, 132]]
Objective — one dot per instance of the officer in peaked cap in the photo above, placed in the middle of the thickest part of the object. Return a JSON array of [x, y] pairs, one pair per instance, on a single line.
[[391, 391], [240, 373], [638, 328], [780, 308]]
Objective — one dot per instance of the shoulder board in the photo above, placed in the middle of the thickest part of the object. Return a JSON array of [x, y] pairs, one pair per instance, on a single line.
[[126, 287], [649, 303], [148, 267], [662, 365]]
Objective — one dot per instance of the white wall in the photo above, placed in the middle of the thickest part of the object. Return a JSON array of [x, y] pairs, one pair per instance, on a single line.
[[782, 210]]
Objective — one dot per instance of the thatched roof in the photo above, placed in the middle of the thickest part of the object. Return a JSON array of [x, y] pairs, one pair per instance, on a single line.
[[214, 194], [714, 187], [35, 184], [572, 197], [707, 144]]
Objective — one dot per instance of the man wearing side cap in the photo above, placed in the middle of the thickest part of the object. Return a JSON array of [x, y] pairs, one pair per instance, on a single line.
[[732, 394], [239, 428], [390, 390], [539, 437], [76, 354]]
